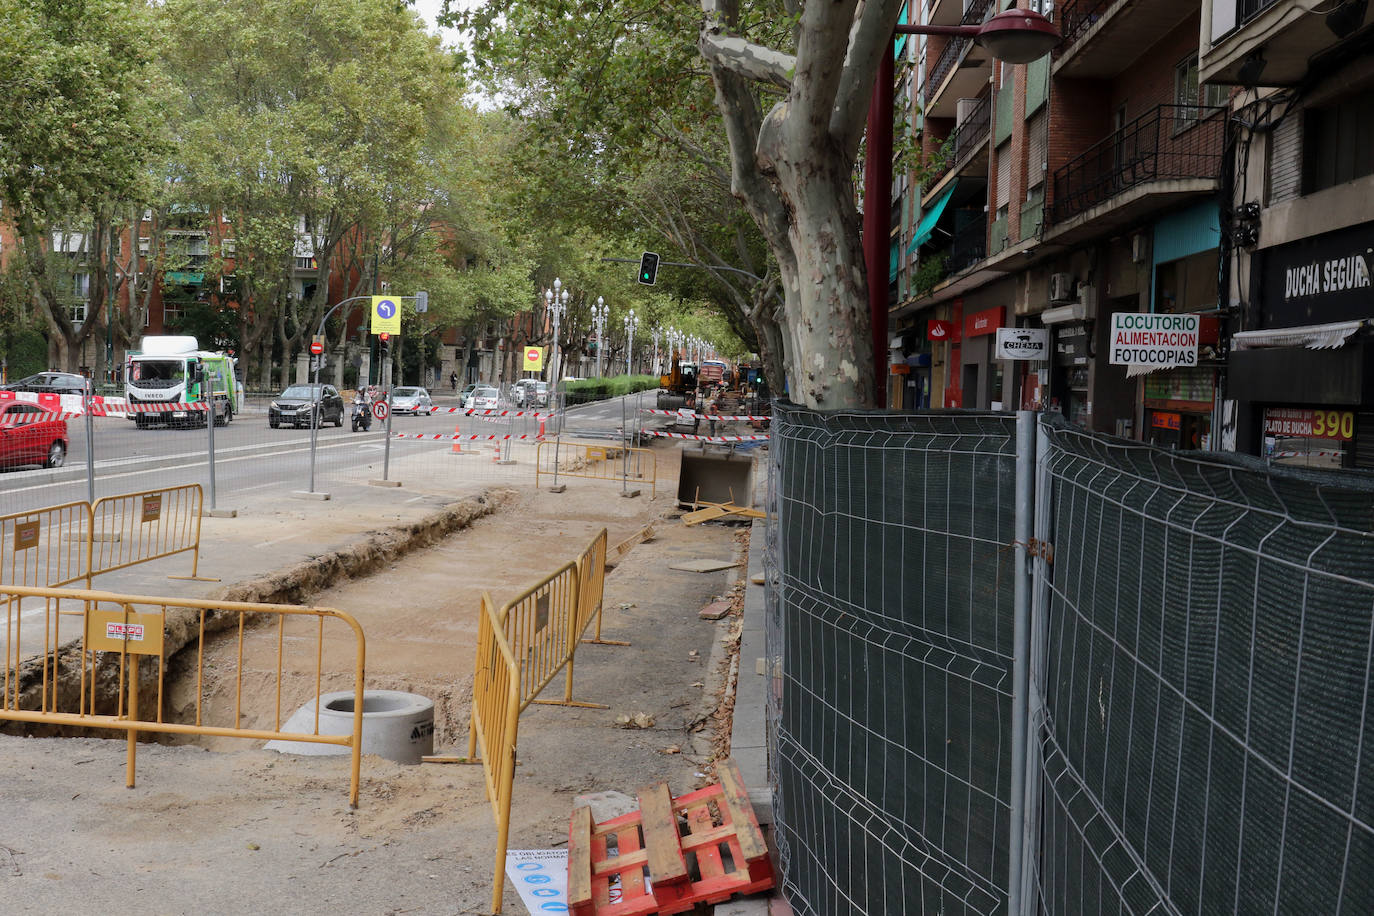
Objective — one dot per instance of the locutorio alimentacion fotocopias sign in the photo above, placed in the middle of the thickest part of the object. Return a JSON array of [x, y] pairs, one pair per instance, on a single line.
[[1147, 339]]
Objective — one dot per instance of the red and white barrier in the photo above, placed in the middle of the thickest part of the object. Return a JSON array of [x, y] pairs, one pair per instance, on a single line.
[[666, 435], [458, 437], [23, 418], [474, 412], [689, 415]]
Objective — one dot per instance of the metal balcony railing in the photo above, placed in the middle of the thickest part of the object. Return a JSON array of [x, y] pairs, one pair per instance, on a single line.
[[954, 51], [963, 141], [970, 245], [1167, 142], [1074, 19]]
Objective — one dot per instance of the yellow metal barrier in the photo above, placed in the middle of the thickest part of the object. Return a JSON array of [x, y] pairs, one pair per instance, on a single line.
[[591, 566], [520, 648], [493, 729], [596, 462], [137, 527], [117, 631], [46, 547]]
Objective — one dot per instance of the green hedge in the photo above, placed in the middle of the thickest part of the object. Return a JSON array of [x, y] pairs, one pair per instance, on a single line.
[[599, 389]]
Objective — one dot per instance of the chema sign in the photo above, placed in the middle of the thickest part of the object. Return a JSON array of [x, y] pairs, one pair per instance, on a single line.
[[1023, 343]]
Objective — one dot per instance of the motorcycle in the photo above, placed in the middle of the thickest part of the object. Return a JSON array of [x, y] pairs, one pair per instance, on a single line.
[[362, 415]]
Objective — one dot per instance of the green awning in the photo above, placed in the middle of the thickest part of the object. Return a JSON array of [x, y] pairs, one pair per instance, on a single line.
[[185, 277], [931, 217]]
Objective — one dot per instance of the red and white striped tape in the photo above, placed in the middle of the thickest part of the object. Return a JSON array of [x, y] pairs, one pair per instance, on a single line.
[[450, 437], [665, 435], [474, 412], [46, 417], [703, 416], [165, 407]]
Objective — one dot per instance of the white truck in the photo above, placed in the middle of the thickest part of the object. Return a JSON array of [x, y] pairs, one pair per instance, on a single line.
[[173, 370]]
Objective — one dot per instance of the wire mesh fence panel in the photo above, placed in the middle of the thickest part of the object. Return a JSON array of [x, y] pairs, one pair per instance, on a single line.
[[890, 640], [1203, 684]]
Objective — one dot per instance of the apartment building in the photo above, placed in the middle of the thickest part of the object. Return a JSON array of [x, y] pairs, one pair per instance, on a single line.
[[1057, 194], [1300, 379]]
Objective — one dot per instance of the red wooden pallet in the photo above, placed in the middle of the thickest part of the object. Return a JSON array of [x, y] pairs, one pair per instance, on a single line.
[[671, 854]]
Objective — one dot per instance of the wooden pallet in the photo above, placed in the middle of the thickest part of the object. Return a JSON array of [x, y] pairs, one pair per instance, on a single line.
[[671, 854]]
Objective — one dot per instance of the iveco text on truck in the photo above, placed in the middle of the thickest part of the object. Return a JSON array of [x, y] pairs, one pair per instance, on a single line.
[[174, 370]]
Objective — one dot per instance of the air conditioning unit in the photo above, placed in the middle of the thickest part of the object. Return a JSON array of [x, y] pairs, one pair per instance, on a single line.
[[1062, 288]]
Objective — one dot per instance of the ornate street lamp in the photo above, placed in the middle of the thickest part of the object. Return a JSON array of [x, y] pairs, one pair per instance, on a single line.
[[557, 304], [631, 322], [600, 311]]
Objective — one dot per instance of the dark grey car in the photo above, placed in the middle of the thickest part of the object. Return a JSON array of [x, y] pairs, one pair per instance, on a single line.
[[295, 406], [50, 383]]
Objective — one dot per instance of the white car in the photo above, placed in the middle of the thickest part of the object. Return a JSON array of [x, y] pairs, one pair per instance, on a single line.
[[411, 400], [483, 399]]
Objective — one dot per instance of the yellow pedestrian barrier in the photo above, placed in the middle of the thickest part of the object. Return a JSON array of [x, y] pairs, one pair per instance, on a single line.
[[60, 639], [520, 648], [138, 527], [46, 547], [596, 462], [493, 729]]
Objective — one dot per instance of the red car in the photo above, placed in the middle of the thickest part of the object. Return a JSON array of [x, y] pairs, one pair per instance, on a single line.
[[34, 442]]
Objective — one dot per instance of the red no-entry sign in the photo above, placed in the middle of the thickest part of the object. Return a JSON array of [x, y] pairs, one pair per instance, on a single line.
[[316, 347]]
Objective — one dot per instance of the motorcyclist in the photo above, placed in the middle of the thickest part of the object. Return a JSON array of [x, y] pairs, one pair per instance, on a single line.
[[362, 410]]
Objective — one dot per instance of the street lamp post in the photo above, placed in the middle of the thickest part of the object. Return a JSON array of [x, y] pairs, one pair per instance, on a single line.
[[657, 333], [600, 311], [631, 322], [557, 301], [1015, 36]]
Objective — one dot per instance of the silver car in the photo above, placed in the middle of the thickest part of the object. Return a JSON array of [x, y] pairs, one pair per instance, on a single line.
[[411, 400]]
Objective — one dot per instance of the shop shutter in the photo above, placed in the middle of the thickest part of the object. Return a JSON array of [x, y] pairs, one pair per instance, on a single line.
[[1038, 135], [1285, 159], [1003, 175], [1364, 440]]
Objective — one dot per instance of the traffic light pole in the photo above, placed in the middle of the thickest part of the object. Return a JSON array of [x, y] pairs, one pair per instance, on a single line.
[[733, 270]]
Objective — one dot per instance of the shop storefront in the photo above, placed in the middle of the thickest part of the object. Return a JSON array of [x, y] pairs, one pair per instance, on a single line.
[[1179, 404], [1303, 380]]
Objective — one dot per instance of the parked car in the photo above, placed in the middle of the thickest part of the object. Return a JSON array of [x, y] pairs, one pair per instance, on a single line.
[[527, 392], [50, 383], [295, 406], [411, 400], [467, 393], [484, 399], [34, 442]]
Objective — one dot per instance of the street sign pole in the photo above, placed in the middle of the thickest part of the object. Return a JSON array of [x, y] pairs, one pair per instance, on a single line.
[[314, 415], [386, 395]]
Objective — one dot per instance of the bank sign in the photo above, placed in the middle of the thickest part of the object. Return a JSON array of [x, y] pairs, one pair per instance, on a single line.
[[1148, 339]]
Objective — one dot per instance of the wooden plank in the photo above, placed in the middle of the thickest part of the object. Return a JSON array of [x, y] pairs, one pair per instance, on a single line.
[[704, 515], [709, 862], [580, 860], [741, 811], [661, 838]]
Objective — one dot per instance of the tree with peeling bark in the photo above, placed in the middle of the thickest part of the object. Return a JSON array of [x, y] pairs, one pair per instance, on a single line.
[[794, 169], [792, 86]]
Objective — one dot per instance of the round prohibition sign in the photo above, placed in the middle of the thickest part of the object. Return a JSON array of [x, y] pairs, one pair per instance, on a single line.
[[380, 410], [386, 309], [532, 354]]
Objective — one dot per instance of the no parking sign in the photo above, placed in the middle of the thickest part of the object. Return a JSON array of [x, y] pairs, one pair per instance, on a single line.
[[379, 410]]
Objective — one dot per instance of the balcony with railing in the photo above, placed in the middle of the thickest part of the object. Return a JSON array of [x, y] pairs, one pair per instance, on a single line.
[[965, 150], [1103, 38], [1287, 30], [1169, 152], [970, 244], [961, 69]]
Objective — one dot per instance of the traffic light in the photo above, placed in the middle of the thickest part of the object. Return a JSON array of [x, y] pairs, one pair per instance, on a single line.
[[383, 345], [648, 268]]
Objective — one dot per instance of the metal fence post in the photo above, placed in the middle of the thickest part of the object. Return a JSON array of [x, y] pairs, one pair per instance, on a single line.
[[1025, 511], [210, 433], [90, 443]]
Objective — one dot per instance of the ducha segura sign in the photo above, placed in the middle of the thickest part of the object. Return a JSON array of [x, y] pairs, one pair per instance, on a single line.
[[1149, 339]]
